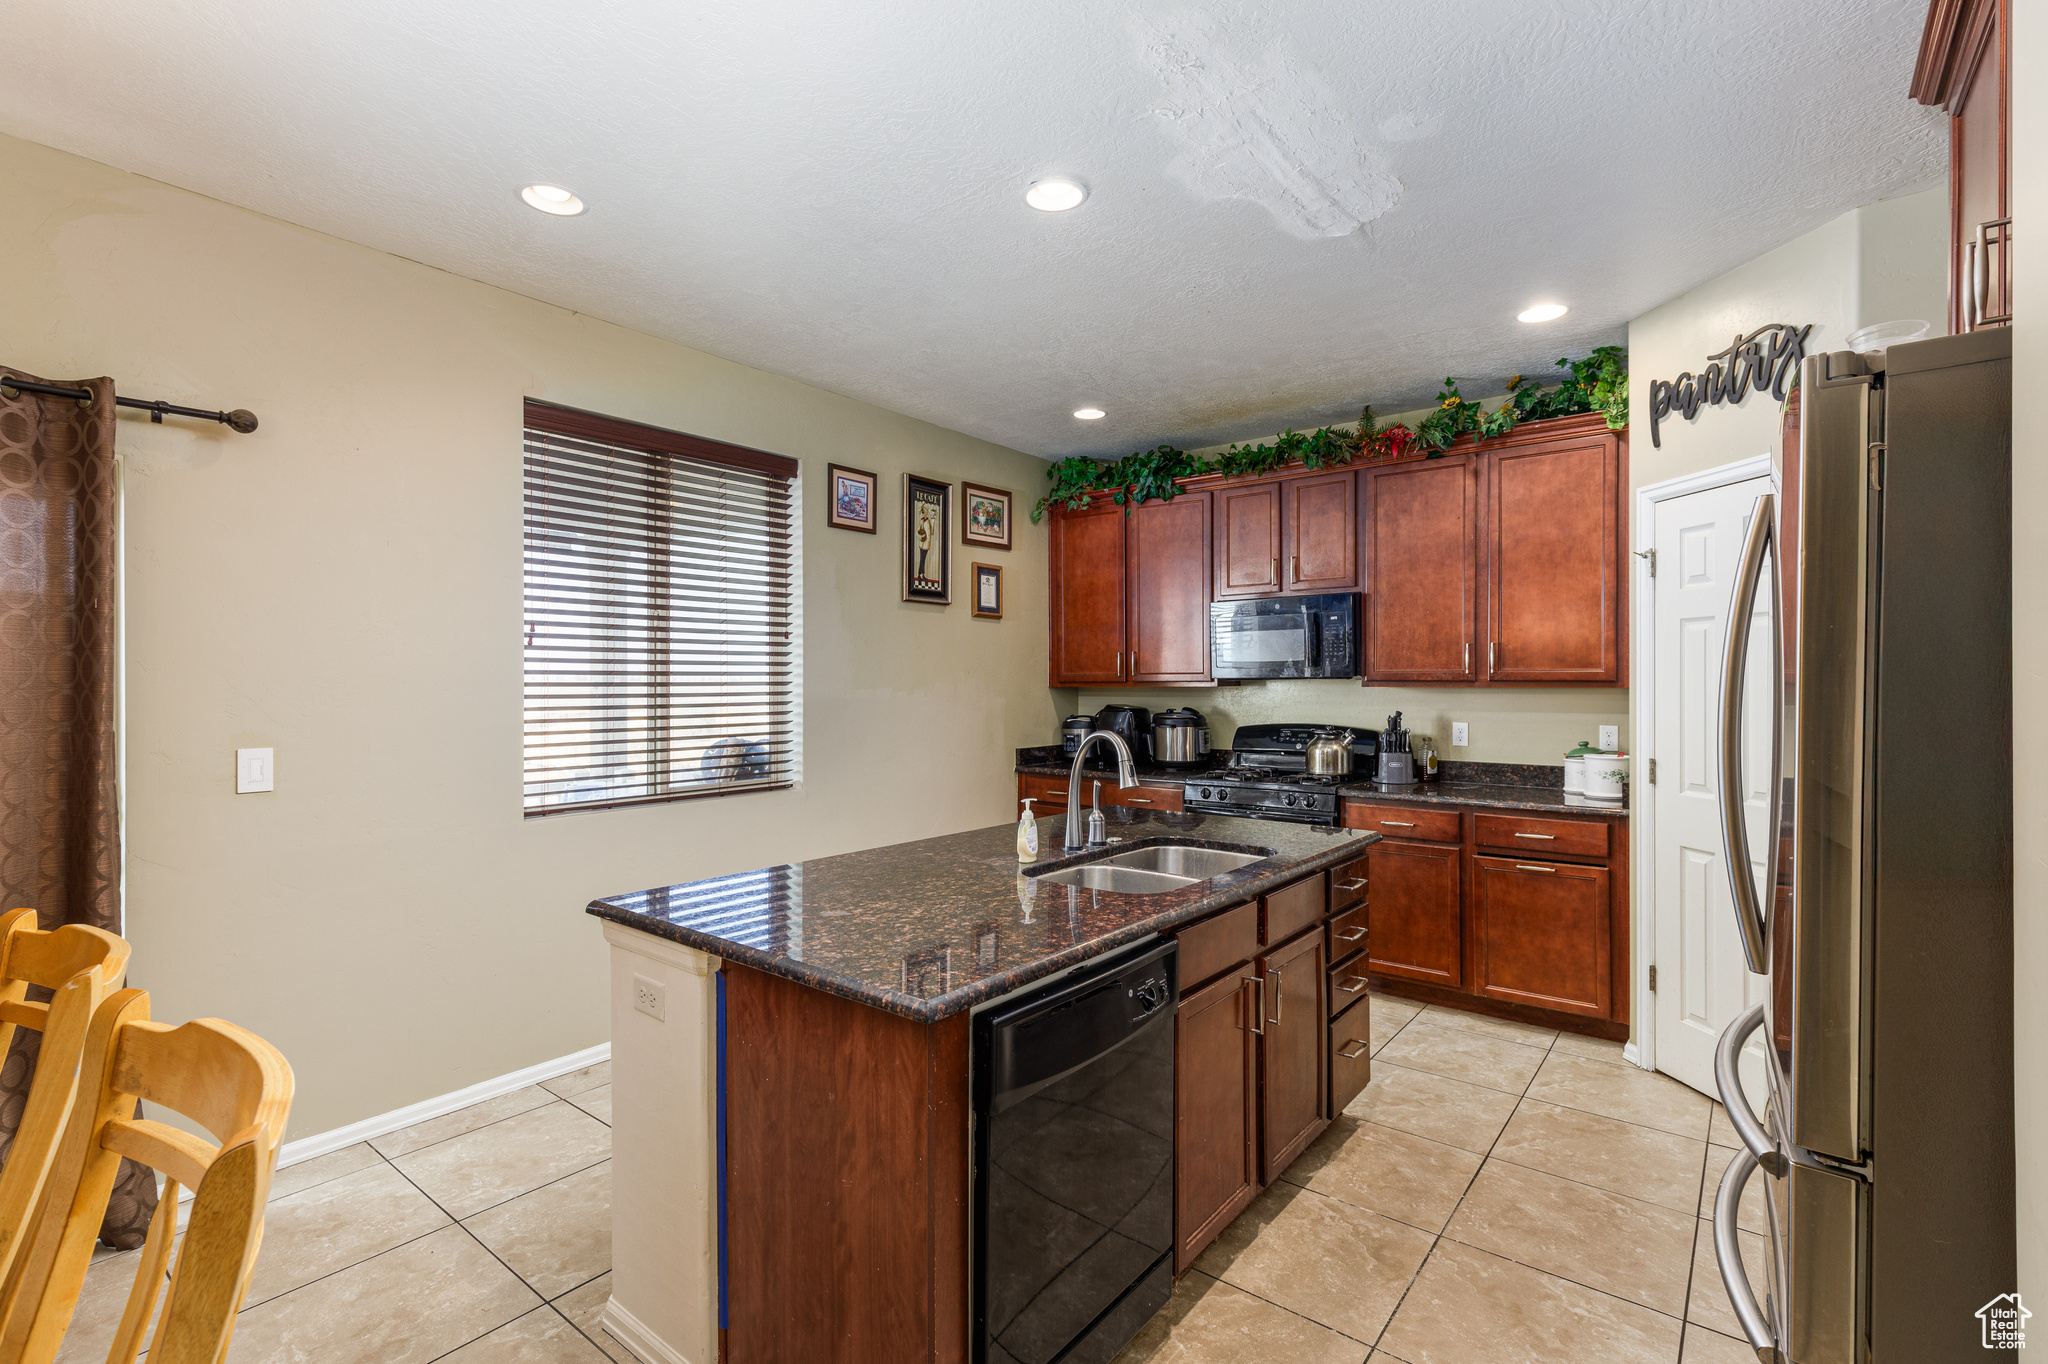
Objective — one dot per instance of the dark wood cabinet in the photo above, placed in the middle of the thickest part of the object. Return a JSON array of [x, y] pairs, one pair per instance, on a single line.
[[1049, 794], [1088, 595], [1292, 1041], [1215, 1119], [1417, 928], [1551, 580], [1421, 570], [1319, 532], [1542, 933], [1129, 597], [1350, 1054], [1248, 540], [1965, 68]]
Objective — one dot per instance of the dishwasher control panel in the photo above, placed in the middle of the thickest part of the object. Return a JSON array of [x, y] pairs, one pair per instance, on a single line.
[[1147, 993]]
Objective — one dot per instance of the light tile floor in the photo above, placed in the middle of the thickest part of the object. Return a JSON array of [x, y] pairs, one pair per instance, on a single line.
[[1499, 1192]]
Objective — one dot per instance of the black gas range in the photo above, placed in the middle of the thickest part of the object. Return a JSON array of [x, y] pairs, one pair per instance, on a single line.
[[1267, 776]]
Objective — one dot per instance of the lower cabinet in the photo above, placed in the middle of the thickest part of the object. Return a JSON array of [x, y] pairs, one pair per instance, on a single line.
[[1542, 930], [1215, 1111], [1350, 1053], [1416, 929], [1292, 1041], [1049, 794]]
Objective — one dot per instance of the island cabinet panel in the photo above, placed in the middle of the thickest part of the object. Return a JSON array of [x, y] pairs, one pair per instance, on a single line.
[[1319, 532], [1088, 595], [1422, 570], [1542, 930], [1417, 931], [865, 1258], [1215, 1115], [1248, 540], [1552, 579], [1285, 912], [1169, 590], [1293, 1041]]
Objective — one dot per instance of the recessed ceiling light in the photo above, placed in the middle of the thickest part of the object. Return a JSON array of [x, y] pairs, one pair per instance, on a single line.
[[1089, 414], [1054, 196], [1542, 312], [552, 199]]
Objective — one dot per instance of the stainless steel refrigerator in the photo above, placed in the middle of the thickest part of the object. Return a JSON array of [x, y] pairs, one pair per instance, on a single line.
[[1886, 1139]]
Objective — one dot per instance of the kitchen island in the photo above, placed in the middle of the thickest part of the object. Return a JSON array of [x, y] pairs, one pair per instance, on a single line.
[[791, 1060]]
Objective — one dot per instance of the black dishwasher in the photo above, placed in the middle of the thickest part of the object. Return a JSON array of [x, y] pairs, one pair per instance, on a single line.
[[1073, 1162]]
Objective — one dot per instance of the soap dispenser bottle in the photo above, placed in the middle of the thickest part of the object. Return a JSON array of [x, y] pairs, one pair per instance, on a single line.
[[1027, 834]]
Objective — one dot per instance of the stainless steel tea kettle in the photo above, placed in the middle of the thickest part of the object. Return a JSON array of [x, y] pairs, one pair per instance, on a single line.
[[1329, 753]]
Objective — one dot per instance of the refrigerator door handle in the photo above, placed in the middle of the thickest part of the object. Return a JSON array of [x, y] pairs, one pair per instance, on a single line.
[[1728, 1079], [1749, 914], [1728, 1253]]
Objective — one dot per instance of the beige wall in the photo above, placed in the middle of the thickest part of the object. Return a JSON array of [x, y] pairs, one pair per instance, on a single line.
[[2030, 643], [344, 585]]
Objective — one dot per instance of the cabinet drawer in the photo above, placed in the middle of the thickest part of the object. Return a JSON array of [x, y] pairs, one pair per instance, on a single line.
[[1347, 984], [1215, 945], [1350, 1054], [1541, 837], [1047, 791], [1437, 826], [1140, 797], [1347, 933], [1051, 792], [1347, 883], [1293, 908]]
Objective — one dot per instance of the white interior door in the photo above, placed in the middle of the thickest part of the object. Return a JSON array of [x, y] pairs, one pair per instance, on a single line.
[[1703, 982]]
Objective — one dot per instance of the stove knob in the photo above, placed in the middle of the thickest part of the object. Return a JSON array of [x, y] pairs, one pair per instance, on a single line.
[[1290, 798], [1202, 794]]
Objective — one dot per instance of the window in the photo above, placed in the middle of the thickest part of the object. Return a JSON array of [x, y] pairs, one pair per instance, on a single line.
[[659, 615]]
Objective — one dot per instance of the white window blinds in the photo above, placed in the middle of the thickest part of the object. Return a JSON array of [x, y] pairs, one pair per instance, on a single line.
[[658, 615]]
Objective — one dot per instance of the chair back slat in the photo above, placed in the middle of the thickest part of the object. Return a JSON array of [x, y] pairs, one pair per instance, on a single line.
[[217, 1257]]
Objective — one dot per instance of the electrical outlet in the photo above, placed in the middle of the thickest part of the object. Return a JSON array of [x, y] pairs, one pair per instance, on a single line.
[[650, 997], [1610, 738], [1459, 737], [254, 770]]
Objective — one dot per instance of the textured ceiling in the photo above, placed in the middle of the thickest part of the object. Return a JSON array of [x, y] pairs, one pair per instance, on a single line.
[[1295, 206]]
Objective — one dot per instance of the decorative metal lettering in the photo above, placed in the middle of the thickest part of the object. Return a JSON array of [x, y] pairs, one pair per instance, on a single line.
[[1749, 362]]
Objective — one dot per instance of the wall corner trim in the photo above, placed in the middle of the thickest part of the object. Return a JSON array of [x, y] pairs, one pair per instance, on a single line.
[[627, 1330], [307, 1148]]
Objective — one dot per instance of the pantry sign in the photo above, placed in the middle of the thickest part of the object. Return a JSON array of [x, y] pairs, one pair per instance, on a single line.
[[1762, 360]]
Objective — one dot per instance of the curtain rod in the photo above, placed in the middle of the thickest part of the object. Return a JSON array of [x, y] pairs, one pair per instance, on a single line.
[[241, 419]]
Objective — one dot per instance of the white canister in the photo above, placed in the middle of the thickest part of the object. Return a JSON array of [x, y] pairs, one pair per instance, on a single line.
[[1574, 776], [1605, 774]]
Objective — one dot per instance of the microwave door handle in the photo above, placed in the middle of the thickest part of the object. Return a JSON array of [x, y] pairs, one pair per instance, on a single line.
[[1749, 916], [1728, 1254], [1315, 639]]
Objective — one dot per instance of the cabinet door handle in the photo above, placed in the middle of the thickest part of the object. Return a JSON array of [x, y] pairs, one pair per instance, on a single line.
[[1279, 998], [1468, 656], [1294, 569], [1398, 823], [1257, 1015], [1492, 657], [1524, 866], [1353, 936], [1345, 1053], [1357, 984], [1359, 884], [1276, 572], [1551, 837]]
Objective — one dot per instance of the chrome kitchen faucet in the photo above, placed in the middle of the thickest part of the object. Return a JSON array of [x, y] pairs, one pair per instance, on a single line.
[[1126, 778]]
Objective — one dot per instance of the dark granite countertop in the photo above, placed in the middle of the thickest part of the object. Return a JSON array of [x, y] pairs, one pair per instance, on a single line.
[[1552, 798], [930, 928]]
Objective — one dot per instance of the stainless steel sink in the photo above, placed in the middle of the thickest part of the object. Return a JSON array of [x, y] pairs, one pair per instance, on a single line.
[[1150, 871], [1197, 864], [1122, 880]]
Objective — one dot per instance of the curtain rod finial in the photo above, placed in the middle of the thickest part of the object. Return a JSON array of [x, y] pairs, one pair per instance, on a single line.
[[242, 420]]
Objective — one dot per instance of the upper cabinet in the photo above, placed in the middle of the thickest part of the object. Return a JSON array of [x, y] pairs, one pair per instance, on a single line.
[[1130, 593], [1964, 68], [1288, 536], [1500, 563]]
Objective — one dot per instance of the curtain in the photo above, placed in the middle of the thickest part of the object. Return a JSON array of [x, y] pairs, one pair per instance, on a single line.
[[60, 837]]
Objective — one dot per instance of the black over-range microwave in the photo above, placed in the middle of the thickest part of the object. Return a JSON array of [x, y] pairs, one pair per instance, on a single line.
[[1284, 637]]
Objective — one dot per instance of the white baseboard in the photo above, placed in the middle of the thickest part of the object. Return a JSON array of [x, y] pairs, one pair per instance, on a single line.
[[628, 1331], [1632, 1056], [306, 1148]]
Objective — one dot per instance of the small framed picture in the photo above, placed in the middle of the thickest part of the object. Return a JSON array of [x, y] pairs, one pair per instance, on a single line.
[[988, 591], [850, 498], [984, 516], [927, 540]]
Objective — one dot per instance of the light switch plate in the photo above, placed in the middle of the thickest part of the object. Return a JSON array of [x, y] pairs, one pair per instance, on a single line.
[[254, 770], [650, 997], [1610, 738], [1459, 737]]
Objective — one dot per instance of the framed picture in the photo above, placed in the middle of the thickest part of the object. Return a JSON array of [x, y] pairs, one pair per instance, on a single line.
[[850, 498], [988, 591], [984, 516], [927, 542]]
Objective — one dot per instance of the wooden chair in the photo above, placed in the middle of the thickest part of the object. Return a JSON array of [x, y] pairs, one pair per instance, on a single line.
[[80, 966], [231, 1083]]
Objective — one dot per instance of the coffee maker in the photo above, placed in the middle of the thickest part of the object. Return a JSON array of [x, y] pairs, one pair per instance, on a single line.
[[1132, 724]]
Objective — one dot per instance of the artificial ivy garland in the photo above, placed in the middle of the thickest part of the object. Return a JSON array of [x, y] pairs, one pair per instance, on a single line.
[[1598, 383]]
